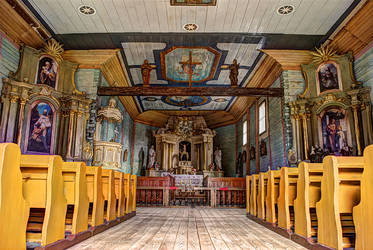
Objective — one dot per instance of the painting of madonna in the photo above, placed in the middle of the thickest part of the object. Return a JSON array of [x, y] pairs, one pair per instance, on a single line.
[[47, 72]]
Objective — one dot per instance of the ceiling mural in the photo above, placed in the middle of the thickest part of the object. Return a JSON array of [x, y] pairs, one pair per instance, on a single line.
[[177, 61]]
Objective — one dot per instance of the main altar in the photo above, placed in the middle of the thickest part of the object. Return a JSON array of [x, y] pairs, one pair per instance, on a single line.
[[184, 146]]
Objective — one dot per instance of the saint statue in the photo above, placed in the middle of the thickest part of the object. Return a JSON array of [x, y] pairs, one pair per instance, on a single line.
[[151, 157], [331, 130], [217, 156], [145, 72], [185, 153], [233, 73]]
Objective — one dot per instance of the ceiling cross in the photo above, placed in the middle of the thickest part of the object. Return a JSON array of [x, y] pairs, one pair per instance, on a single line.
[[190, 63]]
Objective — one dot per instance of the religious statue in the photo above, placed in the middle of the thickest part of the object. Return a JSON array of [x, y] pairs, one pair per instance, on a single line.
[[217, 157], [233, 73], [151, 157], [211, 167], [146, 68]]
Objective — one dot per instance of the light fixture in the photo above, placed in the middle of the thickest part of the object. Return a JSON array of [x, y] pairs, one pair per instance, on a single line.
[[190, 27], [87, 10], [285, 10]]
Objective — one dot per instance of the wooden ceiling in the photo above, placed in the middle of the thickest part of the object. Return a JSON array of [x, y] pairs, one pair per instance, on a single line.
[[354, 35]]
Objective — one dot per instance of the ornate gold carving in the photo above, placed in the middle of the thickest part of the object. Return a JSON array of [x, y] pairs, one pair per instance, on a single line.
[[324, 54], [54, 49], [14, 99]]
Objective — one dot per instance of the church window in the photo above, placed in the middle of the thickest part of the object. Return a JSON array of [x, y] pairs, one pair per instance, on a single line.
[[262, 117], [244, 133]]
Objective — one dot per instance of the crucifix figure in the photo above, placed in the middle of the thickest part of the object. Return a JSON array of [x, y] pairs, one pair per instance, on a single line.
[[145, 72], [190, 63]]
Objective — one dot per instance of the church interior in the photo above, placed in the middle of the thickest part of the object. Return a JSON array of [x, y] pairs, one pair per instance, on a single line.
[[186, 124]]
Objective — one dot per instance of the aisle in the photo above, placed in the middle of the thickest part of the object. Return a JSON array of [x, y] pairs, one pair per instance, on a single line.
[[188, 228]]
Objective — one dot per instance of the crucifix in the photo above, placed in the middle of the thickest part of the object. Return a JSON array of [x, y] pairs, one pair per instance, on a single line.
[[190, 63]]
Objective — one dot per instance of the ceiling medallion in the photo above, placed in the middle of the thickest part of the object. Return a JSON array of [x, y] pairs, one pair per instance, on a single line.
[[190, 27], [87, 10], [285, 10]]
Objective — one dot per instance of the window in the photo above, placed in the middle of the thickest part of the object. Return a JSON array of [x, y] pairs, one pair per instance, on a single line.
[[262, 117], [244, 133]]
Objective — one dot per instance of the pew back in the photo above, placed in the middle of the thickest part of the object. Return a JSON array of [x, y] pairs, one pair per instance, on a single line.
[[248, 178], [340, 191], [253, 194], [75, 186], [363, 213], [288, 192], [262, 193], [308, 193], [127, 183], [273, 190], [108, 189], [14, 210], [43, 189], [95, 196], [119, 192], [133, 193]]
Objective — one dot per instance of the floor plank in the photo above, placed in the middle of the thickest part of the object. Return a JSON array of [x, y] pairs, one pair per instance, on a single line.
[[188, 228]]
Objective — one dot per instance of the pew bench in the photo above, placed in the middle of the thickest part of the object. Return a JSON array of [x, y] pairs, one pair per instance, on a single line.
[[248, 179], [308, 193], [14, 210], [108, 190], [95, 196], [120, 194], [253, 194], [340, 192], [287, 195], [273, 190], [43, 189], [261, 196]]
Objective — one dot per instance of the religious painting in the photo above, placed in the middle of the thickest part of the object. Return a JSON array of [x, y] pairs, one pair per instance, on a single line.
[[263, 148], [184, 151], [328, 77], [193, 2], [40, 128], [335, 132], [252, 153], [47, 72], [186, 101], [184, 64]]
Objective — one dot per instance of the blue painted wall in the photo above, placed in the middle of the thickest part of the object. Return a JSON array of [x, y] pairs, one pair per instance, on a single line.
[[143, 140], [364, 69], [9, 58], [226, 139]]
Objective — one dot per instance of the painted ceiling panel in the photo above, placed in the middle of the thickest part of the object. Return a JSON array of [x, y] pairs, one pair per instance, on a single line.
[[310, 16]]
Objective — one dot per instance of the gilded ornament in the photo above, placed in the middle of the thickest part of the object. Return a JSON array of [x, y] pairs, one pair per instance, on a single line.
[[54, 48], [324, 54]]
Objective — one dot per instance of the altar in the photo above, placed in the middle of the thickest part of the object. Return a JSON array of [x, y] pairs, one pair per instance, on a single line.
[[185, 147]]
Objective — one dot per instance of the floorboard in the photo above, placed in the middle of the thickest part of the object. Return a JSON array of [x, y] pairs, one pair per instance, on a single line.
[[188, 228]]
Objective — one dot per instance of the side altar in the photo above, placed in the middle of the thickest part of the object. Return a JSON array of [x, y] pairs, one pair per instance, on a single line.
[[184, 146]]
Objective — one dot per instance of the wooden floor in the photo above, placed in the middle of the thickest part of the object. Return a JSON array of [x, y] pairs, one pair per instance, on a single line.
[[188, 228]]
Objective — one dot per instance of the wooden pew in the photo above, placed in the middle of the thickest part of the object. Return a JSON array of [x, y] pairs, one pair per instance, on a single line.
[[127, 183], [273, 190], [108, 189], [75, 187], [14, 210], [43, 189], [288, 192], [133, 193], [120, 194], [253, 193], [95, 196], [363, 213], [248, 178], [308, 193], [261, 197], [340, 192]]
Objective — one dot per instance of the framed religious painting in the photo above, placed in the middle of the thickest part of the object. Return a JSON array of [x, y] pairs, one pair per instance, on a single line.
[[328, 77], [334, 131], [40, 128], [47, 72]]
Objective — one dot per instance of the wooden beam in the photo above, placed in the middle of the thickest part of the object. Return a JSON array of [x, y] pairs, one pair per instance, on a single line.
[[185, 91]]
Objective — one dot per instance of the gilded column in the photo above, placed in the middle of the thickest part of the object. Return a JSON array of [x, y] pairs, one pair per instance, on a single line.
[[305, 117], [70, 134], [298, 136], [205, 155], [357, 130], [20, 120], [164, 159], [4, 117], [12, 118], [198, 153]]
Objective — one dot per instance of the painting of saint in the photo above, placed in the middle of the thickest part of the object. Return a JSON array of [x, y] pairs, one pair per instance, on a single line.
[[40, 130], [47, 72], [334, 132], [328, 77]]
